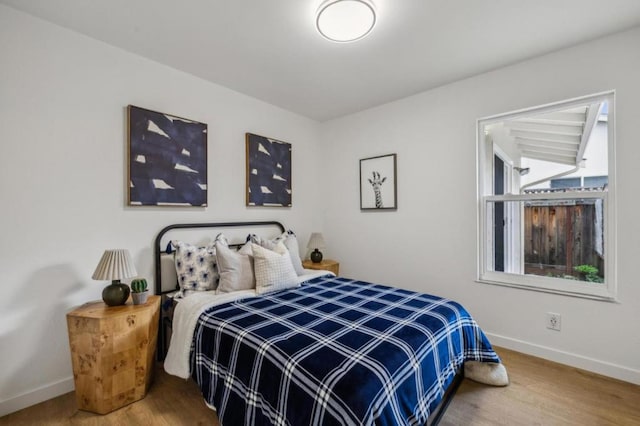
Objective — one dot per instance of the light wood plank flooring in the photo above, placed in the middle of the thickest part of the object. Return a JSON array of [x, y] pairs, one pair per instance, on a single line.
[[540, 393], [545, 393]]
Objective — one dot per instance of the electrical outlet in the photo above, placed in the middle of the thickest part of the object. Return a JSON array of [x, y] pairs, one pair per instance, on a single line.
[[553, 321]]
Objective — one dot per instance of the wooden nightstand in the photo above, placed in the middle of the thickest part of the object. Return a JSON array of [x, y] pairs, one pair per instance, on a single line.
[[326, 264], [112, 352]]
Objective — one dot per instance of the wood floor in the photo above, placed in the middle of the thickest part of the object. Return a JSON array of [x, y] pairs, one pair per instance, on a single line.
[[545, 393], [540, 393]]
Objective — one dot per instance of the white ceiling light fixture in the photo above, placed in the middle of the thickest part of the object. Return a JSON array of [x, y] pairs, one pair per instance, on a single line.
[[343, 21]]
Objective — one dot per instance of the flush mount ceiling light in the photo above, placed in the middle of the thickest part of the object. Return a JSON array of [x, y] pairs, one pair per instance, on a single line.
[[345, 20]]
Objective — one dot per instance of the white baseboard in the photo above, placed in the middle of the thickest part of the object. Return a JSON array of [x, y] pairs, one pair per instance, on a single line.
[[43, 393], [574, 360]]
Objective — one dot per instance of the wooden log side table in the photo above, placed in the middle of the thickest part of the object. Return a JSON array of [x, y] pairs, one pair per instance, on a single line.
[[112, 352]]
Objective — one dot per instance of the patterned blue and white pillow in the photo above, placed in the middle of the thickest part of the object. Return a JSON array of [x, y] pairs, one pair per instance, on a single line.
[[195, 267]]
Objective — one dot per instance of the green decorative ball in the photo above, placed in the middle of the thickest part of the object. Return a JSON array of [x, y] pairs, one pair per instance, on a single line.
[[115, 294], [316, 256]]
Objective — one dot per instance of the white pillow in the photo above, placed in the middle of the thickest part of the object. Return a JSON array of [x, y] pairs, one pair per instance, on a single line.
[[274, 270], [290, 242], [235, 268], [195, 267], [262, 242], [222, 239], [489, 373]]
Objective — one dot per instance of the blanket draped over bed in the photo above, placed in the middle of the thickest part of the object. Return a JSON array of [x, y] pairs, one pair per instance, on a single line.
[[333, 352]]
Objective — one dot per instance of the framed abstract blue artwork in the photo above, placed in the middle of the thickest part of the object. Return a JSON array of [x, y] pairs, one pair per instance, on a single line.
[[268, 172], [167, 160]]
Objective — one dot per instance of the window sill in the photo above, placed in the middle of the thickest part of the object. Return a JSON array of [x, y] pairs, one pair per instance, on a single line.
[[603, 296]]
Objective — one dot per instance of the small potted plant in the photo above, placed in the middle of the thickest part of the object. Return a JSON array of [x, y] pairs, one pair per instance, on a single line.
[[139, 291]]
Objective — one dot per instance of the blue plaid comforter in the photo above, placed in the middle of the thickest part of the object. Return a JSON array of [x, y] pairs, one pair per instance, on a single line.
[[333, 352]]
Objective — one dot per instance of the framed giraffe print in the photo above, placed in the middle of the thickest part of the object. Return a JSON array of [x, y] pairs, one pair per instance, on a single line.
[[378, 183]]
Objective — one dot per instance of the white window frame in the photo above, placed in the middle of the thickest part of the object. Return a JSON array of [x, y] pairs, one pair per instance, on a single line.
[[512, 261], [606, 291]]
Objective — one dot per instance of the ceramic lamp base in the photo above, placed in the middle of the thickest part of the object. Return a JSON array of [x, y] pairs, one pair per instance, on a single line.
[[316, 256], [115, 294]]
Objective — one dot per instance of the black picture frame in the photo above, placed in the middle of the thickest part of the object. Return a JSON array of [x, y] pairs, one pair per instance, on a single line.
[[378, 183]]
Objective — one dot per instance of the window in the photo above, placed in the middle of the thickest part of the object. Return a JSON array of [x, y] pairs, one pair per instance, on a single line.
[[577, 182], [546, 198], [573, 182], [596, 181]]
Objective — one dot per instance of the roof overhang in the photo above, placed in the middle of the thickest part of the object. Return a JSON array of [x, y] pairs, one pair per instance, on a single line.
[[558, 137]]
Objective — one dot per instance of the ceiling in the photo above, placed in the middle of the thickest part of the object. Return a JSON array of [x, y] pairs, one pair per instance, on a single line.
[[270, 50]]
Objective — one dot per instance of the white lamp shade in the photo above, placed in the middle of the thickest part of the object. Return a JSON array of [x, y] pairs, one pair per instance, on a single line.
[[345, 20], [316, 241], [115, 265]]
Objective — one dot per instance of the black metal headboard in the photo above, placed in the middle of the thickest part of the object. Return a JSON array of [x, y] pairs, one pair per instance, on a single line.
[[164, 321], [158, 249]]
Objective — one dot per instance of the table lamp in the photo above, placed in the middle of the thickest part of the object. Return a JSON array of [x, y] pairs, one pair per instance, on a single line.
[[315, 242], [115, 265]]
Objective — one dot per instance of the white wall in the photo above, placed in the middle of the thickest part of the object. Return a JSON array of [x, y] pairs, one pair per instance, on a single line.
[[62, 139], [429, 244], [63, 101]]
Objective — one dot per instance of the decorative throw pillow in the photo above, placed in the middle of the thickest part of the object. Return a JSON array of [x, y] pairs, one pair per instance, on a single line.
[[222, 239], [489, 373], [195, 267], [290, 242], [235, 268], [263, 242], [274, 270]]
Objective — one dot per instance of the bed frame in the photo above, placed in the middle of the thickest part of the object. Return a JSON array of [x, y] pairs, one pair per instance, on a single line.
[[167, 303], [437, 414]]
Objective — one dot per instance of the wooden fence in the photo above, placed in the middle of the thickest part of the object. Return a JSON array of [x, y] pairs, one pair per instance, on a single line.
[[559, 237]]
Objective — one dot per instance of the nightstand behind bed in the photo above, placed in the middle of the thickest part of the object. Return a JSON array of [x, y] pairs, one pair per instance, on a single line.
[[326, 264]]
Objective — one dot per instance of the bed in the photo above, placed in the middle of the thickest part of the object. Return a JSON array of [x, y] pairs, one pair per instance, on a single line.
[[325, 350]]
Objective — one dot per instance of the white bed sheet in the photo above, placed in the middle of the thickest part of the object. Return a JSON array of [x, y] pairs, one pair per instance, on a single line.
[[185, 319]]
